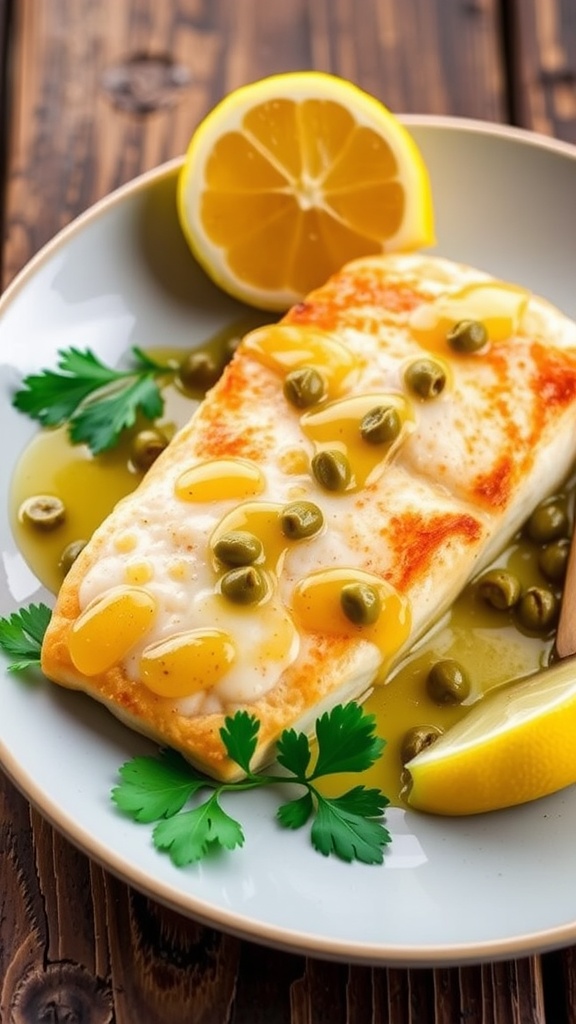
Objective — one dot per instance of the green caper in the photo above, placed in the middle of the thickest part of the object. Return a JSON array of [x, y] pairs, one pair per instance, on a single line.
[[244, 585], [304, 386], [426, 378], [553, 560], [547, 522], [301, 519], [238, 547], [447, 682], [332, 470], [537, 610], [70, 554], [361, 603], [199, 370], [467, 336], [418, 739], [146, 446], [43, 511], [500, 588], [381, 425]]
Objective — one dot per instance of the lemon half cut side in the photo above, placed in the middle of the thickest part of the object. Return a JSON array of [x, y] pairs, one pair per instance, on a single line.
[[516, 745], [290, 177]]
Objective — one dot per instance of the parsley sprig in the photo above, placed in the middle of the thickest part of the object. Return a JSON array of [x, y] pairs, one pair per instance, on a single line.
[[158, 789], [96, 401], [21, 636], [167, 790]]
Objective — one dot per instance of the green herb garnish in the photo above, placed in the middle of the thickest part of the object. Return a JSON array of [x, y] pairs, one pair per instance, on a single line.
[[96, 401], [21, 636], [349, 826]]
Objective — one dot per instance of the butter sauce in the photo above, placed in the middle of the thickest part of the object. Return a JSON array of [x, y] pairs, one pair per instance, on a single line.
[[337, 425], [259, 518], [283, 347], [498, 305], [220, 478], [317, 607], [187, 662], [108, 628]]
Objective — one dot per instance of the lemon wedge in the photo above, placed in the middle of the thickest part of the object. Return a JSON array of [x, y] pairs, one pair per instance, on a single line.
[[291, 177], [516, 745]]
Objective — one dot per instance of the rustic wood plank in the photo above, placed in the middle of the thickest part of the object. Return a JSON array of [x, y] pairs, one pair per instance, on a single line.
[[427, 56], [102, 90], [5, 35], [542, 53], [565, 987], [515, 991]]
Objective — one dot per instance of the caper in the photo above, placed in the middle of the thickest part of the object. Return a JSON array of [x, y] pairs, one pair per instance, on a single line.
[[426, 378], [301, 519], [547, 522], [553, 560], [361, 603], [467, 336], [500, 588], [381, 425], [199, 370], [447, 682], [70, 554], [304, 386], [418, 739], [43, 511], [146, 446], [332, 469], [537, 609], [238, 547], [244, 585]]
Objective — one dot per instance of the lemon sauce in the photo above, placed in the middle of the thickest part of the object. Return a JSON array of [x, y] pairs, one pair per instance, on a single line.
[[487, 643]]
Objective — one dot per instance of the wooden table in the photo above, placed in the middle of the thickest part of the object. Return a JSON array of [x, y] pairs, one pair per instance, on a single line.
[[92, 93]]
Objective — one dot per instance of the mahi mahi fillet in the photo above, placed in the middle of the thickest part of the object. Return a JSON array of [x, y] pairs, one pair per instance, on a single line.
[[170, 636]]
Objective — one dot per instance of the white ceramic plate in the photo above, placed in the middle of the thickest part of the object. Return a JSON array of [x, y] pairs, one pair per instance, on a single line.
[[500, 885]]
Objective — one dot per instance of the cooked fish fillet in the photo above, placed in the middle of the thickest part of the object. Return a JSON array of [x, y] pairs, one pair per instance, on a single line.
[[155, 620]]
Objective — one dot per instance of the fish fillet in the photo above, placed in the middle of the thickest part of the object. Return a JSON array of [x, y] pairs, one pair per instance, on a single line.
[[145, 623]]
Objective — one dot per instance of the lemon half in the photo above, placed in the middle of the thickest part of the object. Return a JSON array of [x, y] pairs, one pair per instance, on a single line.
[[516, 745], [291, 177]]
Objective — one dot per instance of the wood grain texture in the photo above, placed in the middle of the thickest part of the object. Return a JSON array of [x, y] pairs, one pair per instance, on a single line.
[[101, 90], [542, 53]]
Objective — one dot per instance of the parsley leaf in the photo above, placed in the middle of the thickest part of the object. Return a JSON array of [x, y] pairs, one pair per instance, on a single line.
[[21, 636], [189, 836], [96, 401], [342, 827], [293, 752], [346, 741], [155, 787], [239, 736], [348, 826], [295, 813], [100, 423]]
